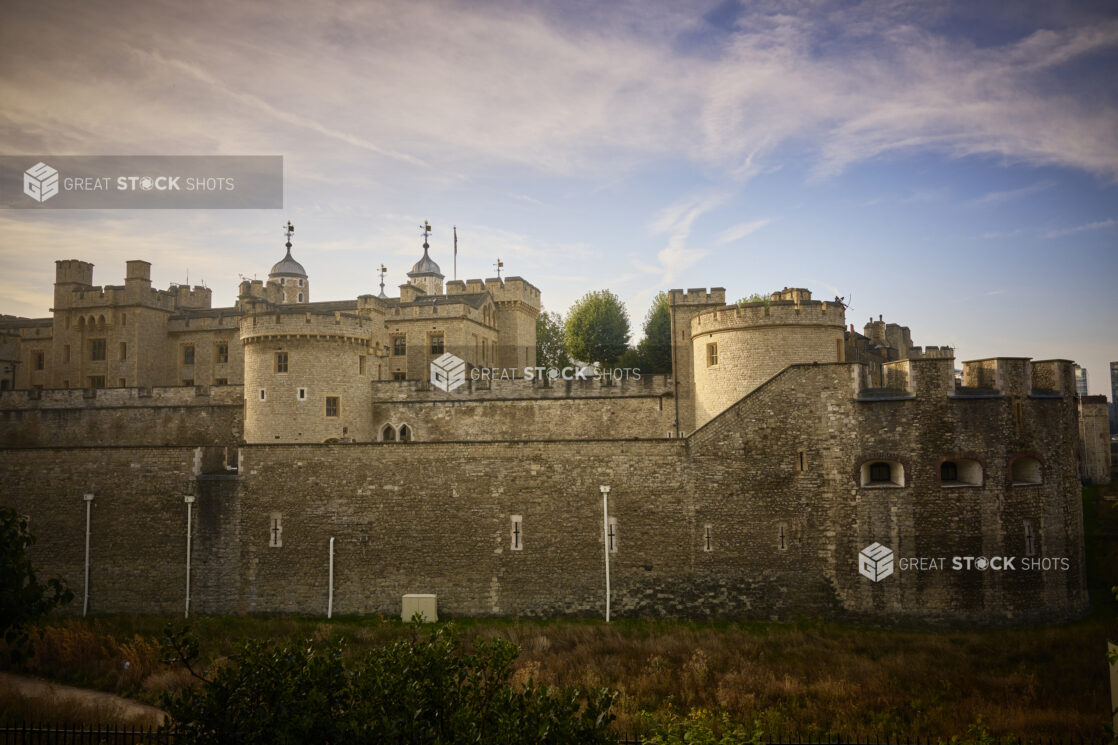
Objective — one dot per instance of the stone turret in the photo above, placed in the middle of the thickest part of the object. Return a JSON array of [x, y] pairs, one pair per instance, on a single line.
[[288, 280]]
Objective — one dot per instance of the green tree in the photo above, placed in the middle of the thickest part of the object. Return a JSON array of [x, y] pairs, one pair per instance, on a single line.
[[428, 689], [756, 297], [550, 346], [23, 599], [597, 328], [655, 350]]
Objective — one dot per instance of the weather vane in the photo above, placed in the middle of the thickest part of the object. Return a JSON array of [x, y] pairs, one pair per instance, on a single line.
[[382, 272], [500, 265], [288, 231], [426, 232]]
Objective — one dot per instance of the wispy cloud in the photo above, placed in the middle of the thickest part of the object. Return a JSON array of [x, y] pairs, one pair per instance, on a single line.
[[1099, 225], [739, 231], [1001, 197], [849, 83], [676, 221]]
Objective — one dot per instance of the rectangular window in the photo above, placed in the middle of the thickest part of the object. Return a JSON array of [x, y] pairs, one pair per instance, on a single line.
[[281, 362], [221, 381], [803, 461], [124, 350], [66, 354], [123, 383], [712, 354], [40, 360], [438, 345], [399, 376], [221, 354], [611, 535], [97, 350], [708, 546], [302, 394], [188, 354], [262, 396], [517, 533], [188, 381], [399, 346], [361, 362], [96, 381], [275, 530], [332, 405]]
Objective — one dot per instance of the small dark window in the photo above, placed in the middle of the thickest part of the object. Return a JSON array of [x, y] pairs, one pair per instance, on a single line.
[[388, 434], [40, 361], [712, 355], [97, 381], [880, 473], [437, 344], [124, 350], [405, 433], [222, 354], [949, 471], [188, 354], [97, 350], [399, 376], [399, 346], [332, 405], [281, 362], [221, 381], [360, 364]]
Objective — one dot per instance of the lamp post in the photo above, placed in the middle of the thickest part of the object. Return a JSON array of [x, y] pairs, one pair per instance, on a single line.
[[189, 500], [85, 600], [605, 539]]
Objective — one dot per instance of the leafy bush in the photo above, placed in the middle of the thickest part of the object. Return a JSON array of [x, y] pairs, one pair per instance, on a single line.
[[23, 598], [426, 689]]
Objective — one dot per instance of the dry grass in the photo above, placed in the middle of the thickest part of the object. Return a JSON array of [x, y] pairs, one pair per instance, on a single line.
[[811, 678]]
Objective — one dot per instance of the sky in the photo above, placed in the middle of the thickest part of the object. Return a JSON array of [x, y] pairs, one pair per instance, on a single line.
[[950, 166]]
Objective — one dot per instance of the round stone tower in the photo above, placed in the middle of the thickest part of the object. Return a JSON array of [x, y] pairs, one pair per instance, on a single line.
[[306, 376], [288, 280], [736, 348]]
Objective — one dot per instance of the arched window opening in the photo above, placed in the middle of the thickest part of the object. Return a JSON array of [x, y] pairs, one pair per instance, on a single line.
[[882, 473], [405, 433], [388, 434], [960, 472]]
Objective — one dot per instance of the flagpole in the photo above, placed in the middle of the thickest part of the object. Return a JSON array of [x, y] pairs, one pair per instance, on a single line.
[[456, 252]]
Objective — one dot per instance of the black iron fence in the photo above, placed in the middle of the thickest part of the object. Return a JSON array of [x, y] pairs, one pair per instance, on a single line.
[[46, 734]]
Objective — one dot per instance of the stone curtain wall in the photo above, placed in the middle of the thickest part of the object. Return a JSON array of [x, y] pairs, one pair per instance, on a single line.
[[188, 415], [436, 517]]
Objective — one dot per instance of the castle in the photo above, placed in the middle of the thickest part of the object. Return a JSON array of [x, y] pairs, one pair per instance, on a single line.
[[284, 455]]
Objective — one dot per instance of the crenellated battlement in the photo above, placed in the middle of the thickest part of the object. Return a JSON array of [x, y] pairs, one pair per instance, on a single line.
[[771, 313], [513, 289], [697, 296], [295, 323]]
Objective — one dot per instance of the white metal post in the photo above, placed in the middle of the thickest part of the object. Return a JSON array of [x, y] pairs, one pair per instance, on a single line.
[[330, 590], [605, 539], [85, 600], [189, 505]]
